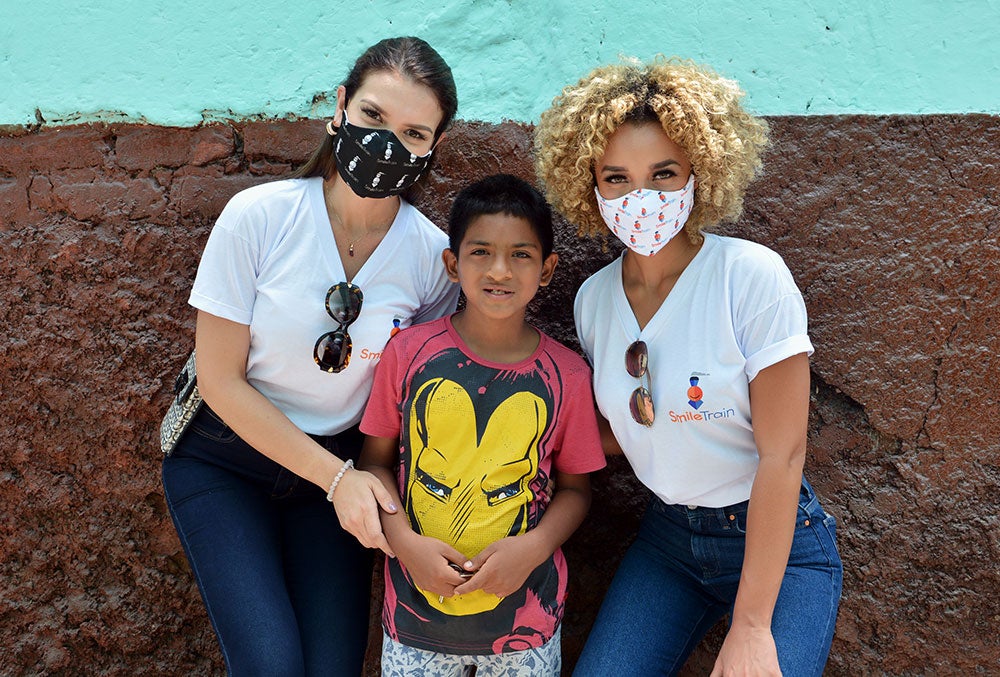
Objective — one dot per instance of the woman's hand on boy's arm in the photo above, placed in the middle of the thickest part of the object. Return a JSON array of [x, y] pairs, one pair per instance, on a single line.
[[377, 460], [357, 501], [503, 566], [426, 559]]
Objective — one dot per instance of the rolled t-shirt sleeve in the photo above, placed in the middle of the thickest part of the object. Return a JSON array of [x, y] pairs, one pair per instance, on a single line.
[[776, 334], [771, 323], [226, 282]]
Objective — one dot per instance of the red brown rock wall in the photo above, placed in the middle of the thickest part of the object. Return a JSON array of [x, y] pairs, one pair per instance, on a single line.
[[890, 225]]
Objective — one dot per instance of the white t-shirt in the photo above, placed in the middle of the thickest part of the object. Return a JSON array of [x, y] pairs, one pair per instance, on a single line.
[[734, 311], [268, 264]]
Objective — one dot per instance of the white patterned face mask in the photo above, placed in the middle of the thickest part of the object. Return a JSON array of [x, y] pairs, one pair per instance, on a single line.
[[645, 220]]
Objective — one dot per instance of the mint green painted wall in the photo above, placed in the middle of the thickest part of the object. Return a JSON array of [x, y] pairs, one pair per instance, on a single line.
[[183, 61]]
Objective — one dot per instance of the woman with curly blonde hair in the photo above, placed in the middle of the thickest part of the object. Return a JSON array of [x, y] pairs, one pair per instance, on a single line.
[[711, 407]]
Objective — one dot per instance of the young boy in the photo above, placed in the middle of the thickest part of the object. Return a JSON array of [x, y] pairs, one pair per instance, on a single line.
[[484, 427]]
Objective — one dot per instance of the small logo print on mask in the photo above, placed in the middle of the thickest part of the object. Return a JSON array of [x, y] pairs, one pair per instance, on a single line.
[[372, 161], [648, 214]]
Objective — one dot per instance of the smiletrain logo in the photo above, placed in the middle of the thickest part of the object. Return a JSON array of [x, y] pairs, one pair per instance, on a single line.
[[695, 393], [695, 399]]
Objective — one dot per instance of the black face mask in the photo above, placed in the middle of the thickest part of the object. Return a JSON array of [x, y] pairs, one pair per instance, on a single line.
[[374, 162]]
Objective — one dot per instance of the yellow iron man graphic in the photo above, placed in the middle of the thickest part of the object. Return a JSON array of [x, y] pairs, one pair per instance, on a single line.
[[469, 483]]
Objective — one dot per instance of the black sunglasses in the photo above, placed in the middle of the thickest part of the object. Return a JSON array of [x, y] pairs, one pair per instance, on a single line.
[[333, 349], [640, 404]]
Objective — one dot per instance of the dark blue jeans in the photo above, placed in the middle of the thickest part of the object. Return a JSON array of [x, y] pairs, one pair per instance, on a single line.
[[287, 590], [680, 577]]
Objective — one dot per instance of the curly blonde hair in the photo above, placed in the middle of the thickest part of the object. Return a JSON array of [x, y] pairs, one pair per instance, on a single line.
[[699, 110]]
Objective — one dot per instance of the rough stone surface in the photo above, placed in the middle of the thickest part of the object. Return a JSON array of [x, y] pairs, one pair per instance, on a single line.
[[890, 225]]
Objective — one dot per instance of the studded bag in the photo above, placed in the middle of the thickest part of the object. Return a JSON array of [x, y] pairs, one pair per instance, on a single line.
[[183, 407]]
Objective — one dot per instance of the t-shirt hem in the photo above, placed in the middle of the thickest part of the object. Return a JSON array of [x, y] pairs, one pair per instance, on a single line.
[[375, 430], [583, 469], [413, 642]]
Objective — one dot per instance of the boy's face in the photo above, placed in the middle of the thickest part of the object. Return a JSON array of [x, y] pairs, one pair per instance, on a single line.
[[499, 265]]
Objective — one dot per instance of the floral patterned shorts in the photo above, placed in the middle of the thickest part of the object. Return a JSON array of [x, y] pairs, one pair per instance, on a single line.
[[399, 660]]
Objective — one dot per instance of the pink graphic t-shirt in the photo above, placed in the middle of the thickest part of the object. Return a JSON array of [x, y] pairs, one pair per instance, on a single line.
[[479, 443]]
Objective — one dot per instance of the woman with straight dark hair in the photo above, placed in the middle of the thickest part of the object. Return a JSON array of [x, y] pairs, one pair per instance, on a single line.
[[301, 284]]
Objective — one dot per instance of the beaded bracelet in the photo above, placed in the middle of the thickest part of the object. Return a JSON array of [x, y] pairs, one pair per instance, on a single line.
[[336, 480]]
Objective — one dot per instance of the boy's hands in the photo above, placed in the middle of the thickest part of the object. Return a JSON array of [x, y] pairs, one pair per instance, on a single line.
[[429, 563], [503, 566]]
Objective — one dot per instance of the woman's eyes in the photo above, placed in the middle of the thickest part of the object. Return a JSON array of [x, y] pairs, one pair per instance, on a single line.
[[376, 116], [663, 175]]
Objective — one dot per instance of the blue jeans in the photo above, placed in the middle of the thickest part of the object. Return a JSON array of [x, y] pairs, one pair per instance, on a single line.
[[680, 577], [287, 590]]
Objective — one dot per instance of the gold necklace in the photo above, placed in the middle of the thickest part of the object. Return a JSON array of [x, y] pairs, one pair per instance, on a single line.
[[350, 244], [381, 230]]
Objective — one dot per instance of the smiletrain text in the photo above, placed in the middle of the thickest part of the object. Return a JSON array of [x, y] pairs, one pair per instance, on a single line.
[[699, 415]]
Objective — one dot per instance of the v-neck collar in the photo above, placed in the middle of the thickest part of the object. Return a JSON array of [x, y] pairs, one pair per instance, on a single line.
[[383, 252], [686, 283]]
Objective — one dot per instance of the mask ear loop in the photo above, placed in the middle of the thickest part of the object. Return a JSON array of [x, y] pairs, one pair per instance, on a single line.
[[330, 129]]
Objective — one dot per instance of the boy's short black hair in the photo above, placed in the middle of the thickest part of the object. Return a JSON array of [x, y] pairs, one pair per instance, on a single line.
[[501, 194]]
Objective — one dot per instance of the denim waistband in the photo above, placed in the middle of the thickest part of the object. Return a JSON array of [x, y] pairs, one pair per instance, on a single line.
[[210, 440], [730, 514], [345, 441]]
